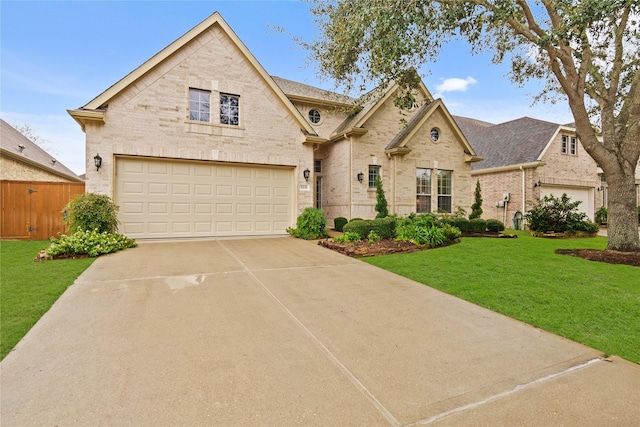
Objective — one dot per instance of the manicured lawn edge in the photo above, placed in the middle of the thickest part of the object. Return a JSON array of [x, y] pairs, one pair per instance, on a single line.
[[28, 289], [586, 301]]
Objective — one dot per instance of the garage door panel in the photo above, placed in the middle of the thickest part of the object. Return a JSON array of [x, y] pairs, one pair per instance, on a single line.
[[163, 198]]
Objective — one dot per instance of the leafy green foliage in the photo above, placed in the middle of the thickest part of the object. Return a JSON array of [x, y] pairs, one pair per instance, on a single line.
[[494, 225], [558, 215], [476, 207], [477, 225], [461, 223], [381, 201], [339, 223], [311, 224], [384, 227], [90, 211], [601, 215], [347, 237], [373, 237], [425, 229], [90, 242], [584, 51]]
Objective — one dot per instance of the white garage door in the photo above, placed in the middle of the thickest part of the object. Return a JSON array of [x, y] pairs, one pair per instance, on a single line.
[[585, 195], [165, 198]]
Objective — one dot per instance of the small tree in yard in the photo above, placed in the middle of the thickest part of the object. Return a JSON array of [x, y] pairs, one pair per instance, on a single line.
[[476, 207], [381, 201]]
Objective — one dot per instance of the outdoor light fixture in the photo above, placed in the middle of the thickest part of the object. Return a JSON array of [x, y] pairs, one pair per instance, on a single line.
[[306, 174], [97, 160], [360, 177], [21, 147]]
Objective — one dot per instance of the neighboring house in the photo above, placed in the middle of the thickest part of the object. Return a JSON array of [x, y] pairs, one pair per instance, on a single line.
[[23, 160], [201, 141], [34, 188], [526, 159]]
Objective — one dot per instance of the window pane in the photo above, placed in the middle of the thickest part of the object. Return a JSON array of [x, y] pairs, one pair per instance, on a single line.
[[229, 110], [444, 190], [199, 105], [374, 173]]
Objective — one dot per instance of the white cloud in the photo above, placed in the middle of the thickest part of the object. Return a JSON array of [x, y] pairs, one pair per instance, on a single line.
[[455, 84]]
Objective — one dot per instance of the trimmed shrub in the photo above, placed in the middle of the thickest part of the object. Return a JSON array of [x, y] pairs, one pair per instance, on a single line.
[[361, 227], [383, 227], [90, 211], [381, 201], [356, 219], [451, 232], [311, 225], [477, 225], [494, 225], [461, 223], [339, 223]]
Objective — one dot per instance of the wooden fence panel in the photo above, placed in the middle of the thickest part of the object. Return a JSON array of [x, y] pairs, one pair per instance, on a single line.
[[33, 210]]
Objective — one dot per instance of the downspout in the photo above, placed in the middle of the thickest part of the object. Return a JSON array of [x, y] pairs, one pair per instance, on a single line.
[[350, 204], [523, 188]]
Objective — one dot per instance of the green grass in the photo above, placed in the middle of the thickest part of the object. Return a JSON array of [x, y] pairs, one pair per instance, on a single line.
[[590, 302], [28, 289]]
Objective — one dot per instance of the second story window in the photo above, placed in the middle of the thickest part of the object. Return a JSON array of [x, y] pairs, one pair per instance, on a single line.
[[374, 174], [569, 145], [229, 109], [199, 105]]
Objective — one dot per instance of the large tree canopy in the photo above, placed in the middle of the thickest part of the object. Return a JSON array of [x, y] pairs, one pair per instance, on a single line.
[[587, 51]]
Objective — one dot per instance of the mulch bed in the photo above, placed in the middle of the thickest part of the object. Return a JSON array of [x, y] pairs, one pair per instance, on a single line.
[[363, 248], [611, 257]]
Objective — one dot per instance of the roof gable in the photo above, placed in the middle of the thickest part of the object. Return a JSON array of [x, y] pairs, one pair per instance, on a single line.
[[31, 153], [94, 110], [420, 118], [515, 142]]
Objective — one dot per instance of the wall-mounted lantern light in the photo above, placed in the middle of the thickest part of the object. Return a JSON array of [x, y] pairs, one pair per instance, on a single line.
[[97, 160], [306, 174], [360, 177], [537, 184], [21, 147]]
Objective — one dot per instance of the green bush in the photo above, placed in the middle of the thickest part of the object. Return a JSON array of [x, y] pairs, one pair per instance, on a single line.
[[586, 226], [421, 235], [339, 223], [461, 223], [381, 201], [310, 225], [603, 213], [476, 207], [89, 242], [451, 232], [90, 211], [556, 214], [347, 237], [477, 225], [373, 237], [356, 219], [384, 227], [494, 225]]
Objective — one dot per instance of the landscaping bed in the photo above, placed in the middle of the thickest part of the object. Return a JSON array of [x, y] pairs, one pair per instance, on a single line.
[[611, 257], [364, 248]]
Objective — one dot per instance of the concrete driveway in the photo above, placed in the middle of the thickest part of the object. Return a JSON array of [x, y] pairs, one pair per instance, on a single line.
[[279, 331]]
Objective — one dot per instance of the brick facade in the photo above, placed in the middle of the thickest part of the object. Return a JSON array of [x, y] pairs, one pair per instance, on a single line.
[[13, 170]]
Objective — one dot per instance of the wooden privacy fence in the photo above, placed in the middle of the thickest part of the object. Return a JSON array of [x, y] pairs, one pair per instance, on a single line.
[[32, 210]]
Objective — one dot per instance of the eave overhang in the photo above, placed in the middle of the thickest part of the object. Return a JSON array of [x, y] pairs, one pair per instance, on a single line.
[[398, 151], [83, 116], [38, 165], [348, 133], [530, 165]]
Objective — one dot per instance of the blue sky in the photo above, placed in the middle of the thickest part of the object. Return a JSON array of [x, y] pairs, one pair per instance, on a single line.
[[58, 55]]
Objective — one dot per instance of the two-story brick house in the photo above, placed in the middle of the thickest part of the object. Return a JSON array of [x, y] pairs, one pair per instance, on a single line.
[[526, 159], [201, 141]]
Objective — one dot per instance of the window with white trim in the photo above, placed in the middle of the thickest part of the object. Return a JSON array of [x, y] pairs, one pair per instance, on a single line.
[[423, 190], [374, 174], [199, 105], [229, 109], [445, 185], [569, 145]]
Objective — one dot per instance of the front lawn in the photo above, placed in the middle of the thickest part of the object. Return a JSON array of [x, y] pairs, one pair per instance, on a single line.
[[28, 289], [594, 303]]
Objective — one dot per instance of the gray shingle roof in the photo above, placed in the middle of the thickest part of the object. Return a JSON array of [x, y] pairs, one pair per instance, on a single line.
[[406, 130], [11, 140], [291, 88], [510, 143]]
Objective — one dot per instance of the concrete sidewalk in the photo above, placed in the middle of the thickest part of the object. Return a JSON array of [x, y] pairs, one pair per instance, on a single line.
[[283, 332]]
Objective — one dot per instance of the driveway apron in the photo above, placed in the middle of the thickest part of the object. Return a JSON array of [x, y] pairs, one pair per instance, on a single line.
[[279, 331]]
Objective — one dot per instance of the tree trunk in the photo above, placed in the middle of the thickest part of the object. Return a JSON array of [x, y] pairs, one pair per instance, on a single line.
[[622, 218]]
